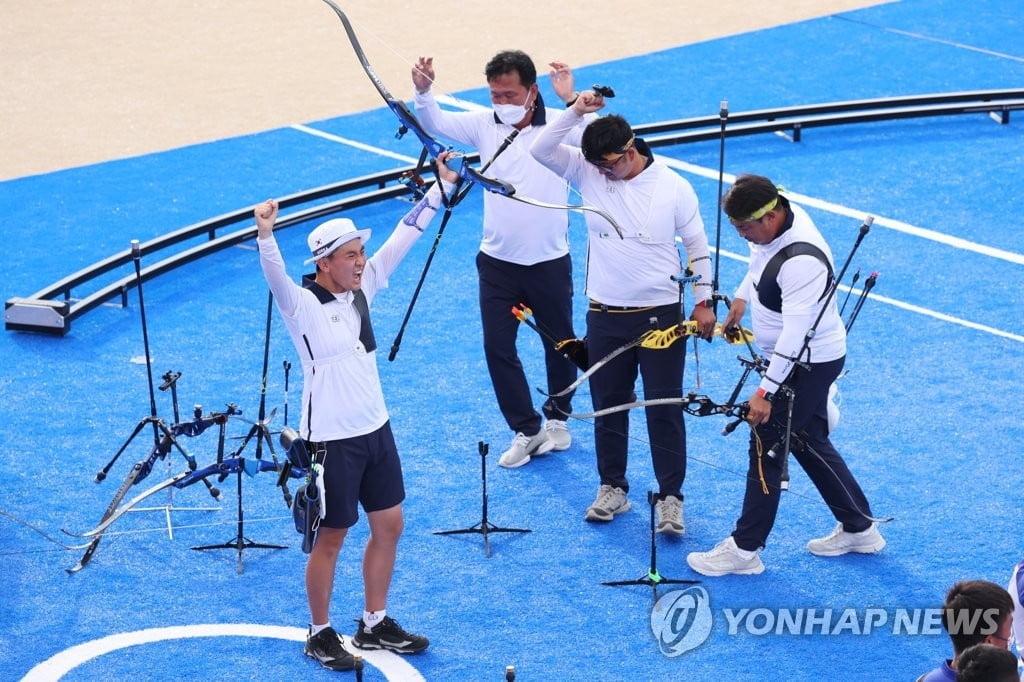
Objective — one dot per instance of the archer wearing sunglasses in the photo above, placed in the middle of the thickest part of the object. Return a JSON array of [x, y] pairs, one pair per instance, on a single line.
[[631, 287]]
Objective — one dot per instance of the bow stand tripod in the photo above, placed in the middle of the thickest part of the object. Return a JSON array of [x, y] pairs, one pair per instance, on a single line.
[[170, 382], [653, 577], [485, 527], [260, 431], [163, 437]]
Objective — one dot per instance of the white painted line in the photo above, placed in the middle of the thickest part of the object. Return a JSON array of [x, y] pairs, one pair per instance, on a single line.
[[352, 143], [948, 318], [962, 46], [927, 312], [921, 36], [712, 174], [391, 665], [457, 103], [896, 225]]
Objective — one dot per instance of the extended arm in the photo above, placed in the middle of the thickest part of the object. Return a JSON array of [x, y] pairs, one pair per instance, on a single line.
[[284, 289], [458, 126], [411, 226], [550, 149]]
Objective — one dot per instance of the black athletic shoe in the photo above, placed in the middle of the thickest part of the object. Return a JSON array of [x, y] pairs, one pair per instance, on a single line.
[[389, 635], [327, 648]]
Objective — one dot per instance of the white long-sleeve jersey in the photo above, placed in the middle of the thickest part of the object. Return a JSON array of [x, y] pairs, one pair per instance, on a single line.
[[652, 209], [341, 391], [802, 280], [513, 231]]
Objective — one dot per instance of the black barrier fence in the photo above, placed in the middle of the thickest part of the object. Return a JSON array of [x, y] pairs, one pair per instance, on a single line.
[[52, 309]]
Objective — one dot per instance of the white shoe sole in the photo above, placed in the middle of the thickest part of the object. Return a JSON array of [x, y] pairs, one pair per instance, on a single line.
[[873, 548], [542, 449], [343, 667], [704, 570]]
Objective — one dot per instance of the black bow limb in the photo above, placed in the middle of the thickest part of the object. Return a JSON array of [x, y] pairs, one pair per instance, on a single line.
[[409, 122]]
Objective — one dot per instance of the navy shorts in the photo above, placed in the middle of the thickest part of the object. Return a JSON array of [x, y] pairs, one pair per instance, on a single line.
[[364, 470]]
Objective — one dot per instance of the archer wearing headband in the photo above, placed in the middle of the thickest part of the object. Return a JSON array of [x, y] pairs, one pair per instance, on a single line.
[[787, 285]]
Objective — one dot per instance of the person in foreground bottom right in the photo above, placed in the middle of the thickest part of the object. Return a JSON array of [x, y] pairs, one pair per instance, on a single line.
[[986, 663], [786, 287], [975, 612]]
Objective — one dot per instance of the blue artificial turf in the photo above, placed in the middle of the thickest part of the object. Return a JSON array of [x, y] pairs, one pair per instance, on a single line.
[[930, 424]]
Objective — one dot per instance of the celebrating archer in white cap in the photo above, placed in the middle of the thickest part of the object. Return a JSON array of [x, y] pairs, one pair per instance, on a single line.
[[344, 420]]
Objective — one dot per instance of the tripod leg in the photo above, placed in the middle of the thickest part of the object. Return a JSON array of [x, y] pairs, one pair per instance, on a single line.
[[653, 577], [240, 542], [652, 501], [102, 474], [485, 527]]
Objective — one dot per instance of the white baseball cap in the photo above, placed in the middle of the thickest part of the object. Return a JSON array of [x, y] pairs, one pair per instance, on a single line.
[[327, 237]]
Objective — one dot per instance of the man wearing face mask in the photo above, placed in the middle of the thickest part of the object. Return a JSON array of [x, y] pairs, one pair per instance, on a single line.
[[524, 254], [630, 287]]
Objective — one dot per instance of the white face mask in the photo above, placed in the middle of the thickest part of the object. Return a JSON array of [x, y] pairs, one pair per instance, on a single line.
[[511, 114]]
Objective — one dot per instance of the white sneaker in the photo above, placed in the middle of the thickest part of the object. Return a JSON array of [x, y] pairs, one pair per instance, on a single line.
[[840, 542], [558, 434], [523, 447], [610, 501], [670, 515], [725, 559]]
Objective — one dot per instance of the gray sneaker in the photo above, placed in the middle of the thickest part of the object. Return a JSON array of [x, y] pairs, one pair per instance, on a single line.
[[558, 434], [670, 515], [610, 501], [523, 447]]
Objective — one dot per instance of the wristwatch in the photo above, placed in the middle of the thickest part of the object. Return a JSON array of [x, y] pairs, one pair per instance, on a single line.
[[761, 393]]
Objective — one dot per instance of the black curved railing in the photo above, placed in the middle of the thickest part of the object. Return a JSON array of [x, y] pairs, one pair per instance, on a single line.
[[792, 121], [52, 309]]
